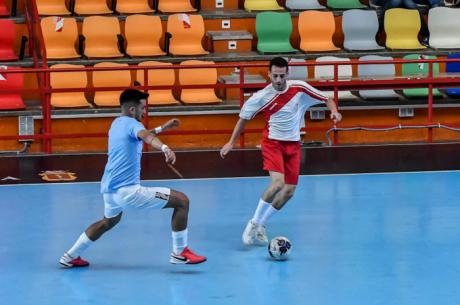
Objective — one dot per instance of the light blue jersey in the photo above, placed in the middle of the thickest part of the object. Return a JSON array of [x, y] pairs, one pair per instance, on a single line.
[[125, 150]]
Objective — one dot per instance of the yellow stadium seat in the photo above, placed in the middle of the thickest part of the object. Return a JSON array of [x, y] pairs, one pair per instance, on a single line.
[[175, 6], [133, 6], [402, 27], [262, 5], [114, 78], [199, 76], [101, 36], [143, 34], [163, 77], [61, 80], [186, 31], [60, 44]]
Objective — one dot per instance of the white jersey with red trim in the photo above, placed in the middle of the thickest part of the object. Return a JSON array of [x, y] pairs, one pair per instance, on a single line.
[[284, 111]]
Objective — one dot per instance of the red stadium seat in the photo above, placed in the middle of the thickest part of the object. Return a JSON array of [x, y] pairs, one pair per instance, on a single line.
[[3, 9], [10, 101], [7, 38]]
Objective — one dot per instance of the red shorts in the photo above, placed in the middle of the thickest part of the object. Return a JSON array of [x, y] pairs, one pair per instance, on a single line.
[[282, 157]]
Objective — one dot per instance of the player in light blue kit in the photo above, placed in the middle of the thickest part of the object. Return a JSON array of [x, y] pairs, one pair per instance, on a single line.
[[120, 185]]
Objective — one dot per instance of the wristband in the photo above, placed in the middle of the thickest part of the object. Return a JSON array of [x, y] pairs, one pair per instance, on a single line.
[[164, 147], [158, 129]]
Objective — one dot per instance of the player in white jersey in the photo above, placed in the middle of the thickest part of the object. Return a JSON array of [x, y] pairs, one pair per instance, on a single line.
[[283, 103]]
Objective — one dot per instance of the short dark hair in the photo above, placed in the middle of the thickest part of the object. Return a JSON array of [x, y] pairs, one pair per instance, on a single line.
[[132, 96], [278, 62]]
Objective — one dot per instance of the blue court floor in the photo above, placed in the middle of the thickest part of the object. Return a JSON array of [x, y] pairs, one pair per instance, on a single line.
[[384, 239]]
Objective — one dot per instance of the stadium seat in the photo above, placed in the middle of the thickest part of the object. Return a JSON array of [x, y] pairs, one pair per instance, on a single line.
[[418, 70], [175, 6], [261, 5], [359, 29], [7, 39], [74, 80], [297, 72], [453, 67], [402, 27], [377, 71], [3, 9], [323, 73], [273, 32], [345, 4], [316, 30], [199, 76], [91, 7], [304, 5], [143, 34], [444, 28], [52, 7], [12, 81], [102, 37], [184, 35], [60, 44], [114, 78], [133, 6], [163, 77]]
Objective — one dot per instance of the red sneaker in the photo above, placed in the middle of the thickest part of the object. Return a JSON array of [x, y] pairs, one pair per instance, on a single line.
[[186, 257], [69, 262]]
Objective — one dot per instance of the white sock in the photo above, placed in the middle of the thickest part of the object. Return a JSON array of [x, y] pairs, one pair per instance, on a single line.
[[180, 240], [260, 211], [82, 243], [269, 212]]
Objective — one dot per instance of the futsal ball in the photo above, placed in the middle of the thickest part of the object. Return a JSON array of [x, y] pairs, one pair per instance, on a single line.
[[279, 248]]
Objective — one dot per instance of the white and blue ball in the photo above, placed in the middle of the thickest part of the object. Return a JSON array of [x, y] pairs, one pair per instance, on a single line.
[[279, 248]]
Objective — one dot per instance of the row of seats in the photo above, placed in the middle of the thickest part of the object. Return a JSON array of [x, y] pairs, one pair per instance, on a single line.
[[118, 78], [96, 7], [208, 76], [102, 37], [360, 27], [271, 5]]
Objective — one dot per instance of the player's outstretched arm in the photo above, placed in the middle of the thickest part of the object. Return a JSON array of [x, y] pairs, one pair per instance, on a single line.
[[335, 114], [149, 138], [239, 127], [168, 125]]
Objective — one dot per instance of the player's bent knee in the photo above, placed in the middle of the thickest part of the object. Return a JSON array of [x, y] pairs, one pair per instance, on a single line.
[[112, 222], [178, 200]]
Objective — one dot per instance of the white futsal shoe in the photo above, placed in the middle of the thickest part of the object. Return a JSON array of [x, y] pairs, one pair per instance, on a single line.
[[249, 233], [261, 237]]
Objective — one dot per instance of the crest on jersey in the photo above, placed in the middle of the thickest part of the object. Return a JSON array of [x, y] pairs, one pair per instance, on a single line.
[[58, 175]]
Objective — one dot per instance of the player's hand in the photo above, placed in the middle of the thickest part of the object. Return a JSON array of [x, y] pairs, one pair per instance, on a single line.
[[171, 124], [226, 149], [170, 156], [336, 117]]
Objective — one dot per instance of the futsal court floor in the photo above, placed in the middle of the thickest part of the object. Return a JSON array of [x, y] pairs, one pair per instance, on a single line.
[[384, 239]]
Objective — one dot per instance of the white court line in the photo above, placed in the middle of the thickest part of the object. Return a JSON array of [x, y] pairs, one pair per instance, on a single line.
[[229, 178]]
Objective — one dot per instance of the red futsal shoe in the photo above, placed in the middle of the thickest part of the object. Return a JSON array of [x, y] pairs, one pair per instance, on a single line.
[[186, 257], [68, 262]]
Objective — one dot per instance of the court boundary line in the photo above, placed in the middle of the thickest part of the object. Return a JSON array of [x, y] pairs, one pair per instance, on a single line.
[[229, 178]]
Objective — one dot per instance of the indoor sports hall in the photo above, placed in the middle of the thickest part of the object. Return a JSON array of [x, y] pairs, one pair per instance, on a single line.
[[374, 214]]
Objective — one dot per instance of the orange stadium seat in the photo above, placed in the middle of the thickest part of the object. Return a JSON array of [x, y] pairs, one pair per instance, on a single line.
[[102, 37], [175, 6], [91, 7], [133, 6], [60, 44], [186, 33], [316, 29], [199, 76], [71, 80], [52, 7], [163, 77], [114, 78], [143, 34], [13, 81]]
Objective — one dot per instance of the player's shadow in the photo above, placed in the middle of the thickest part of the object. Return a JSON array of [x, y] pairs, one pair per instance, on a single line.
[[185, 272]]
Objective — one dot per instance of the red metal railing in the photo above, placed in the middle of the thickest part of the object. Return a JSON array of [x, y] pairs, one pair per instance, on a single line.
[[335, 84]]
